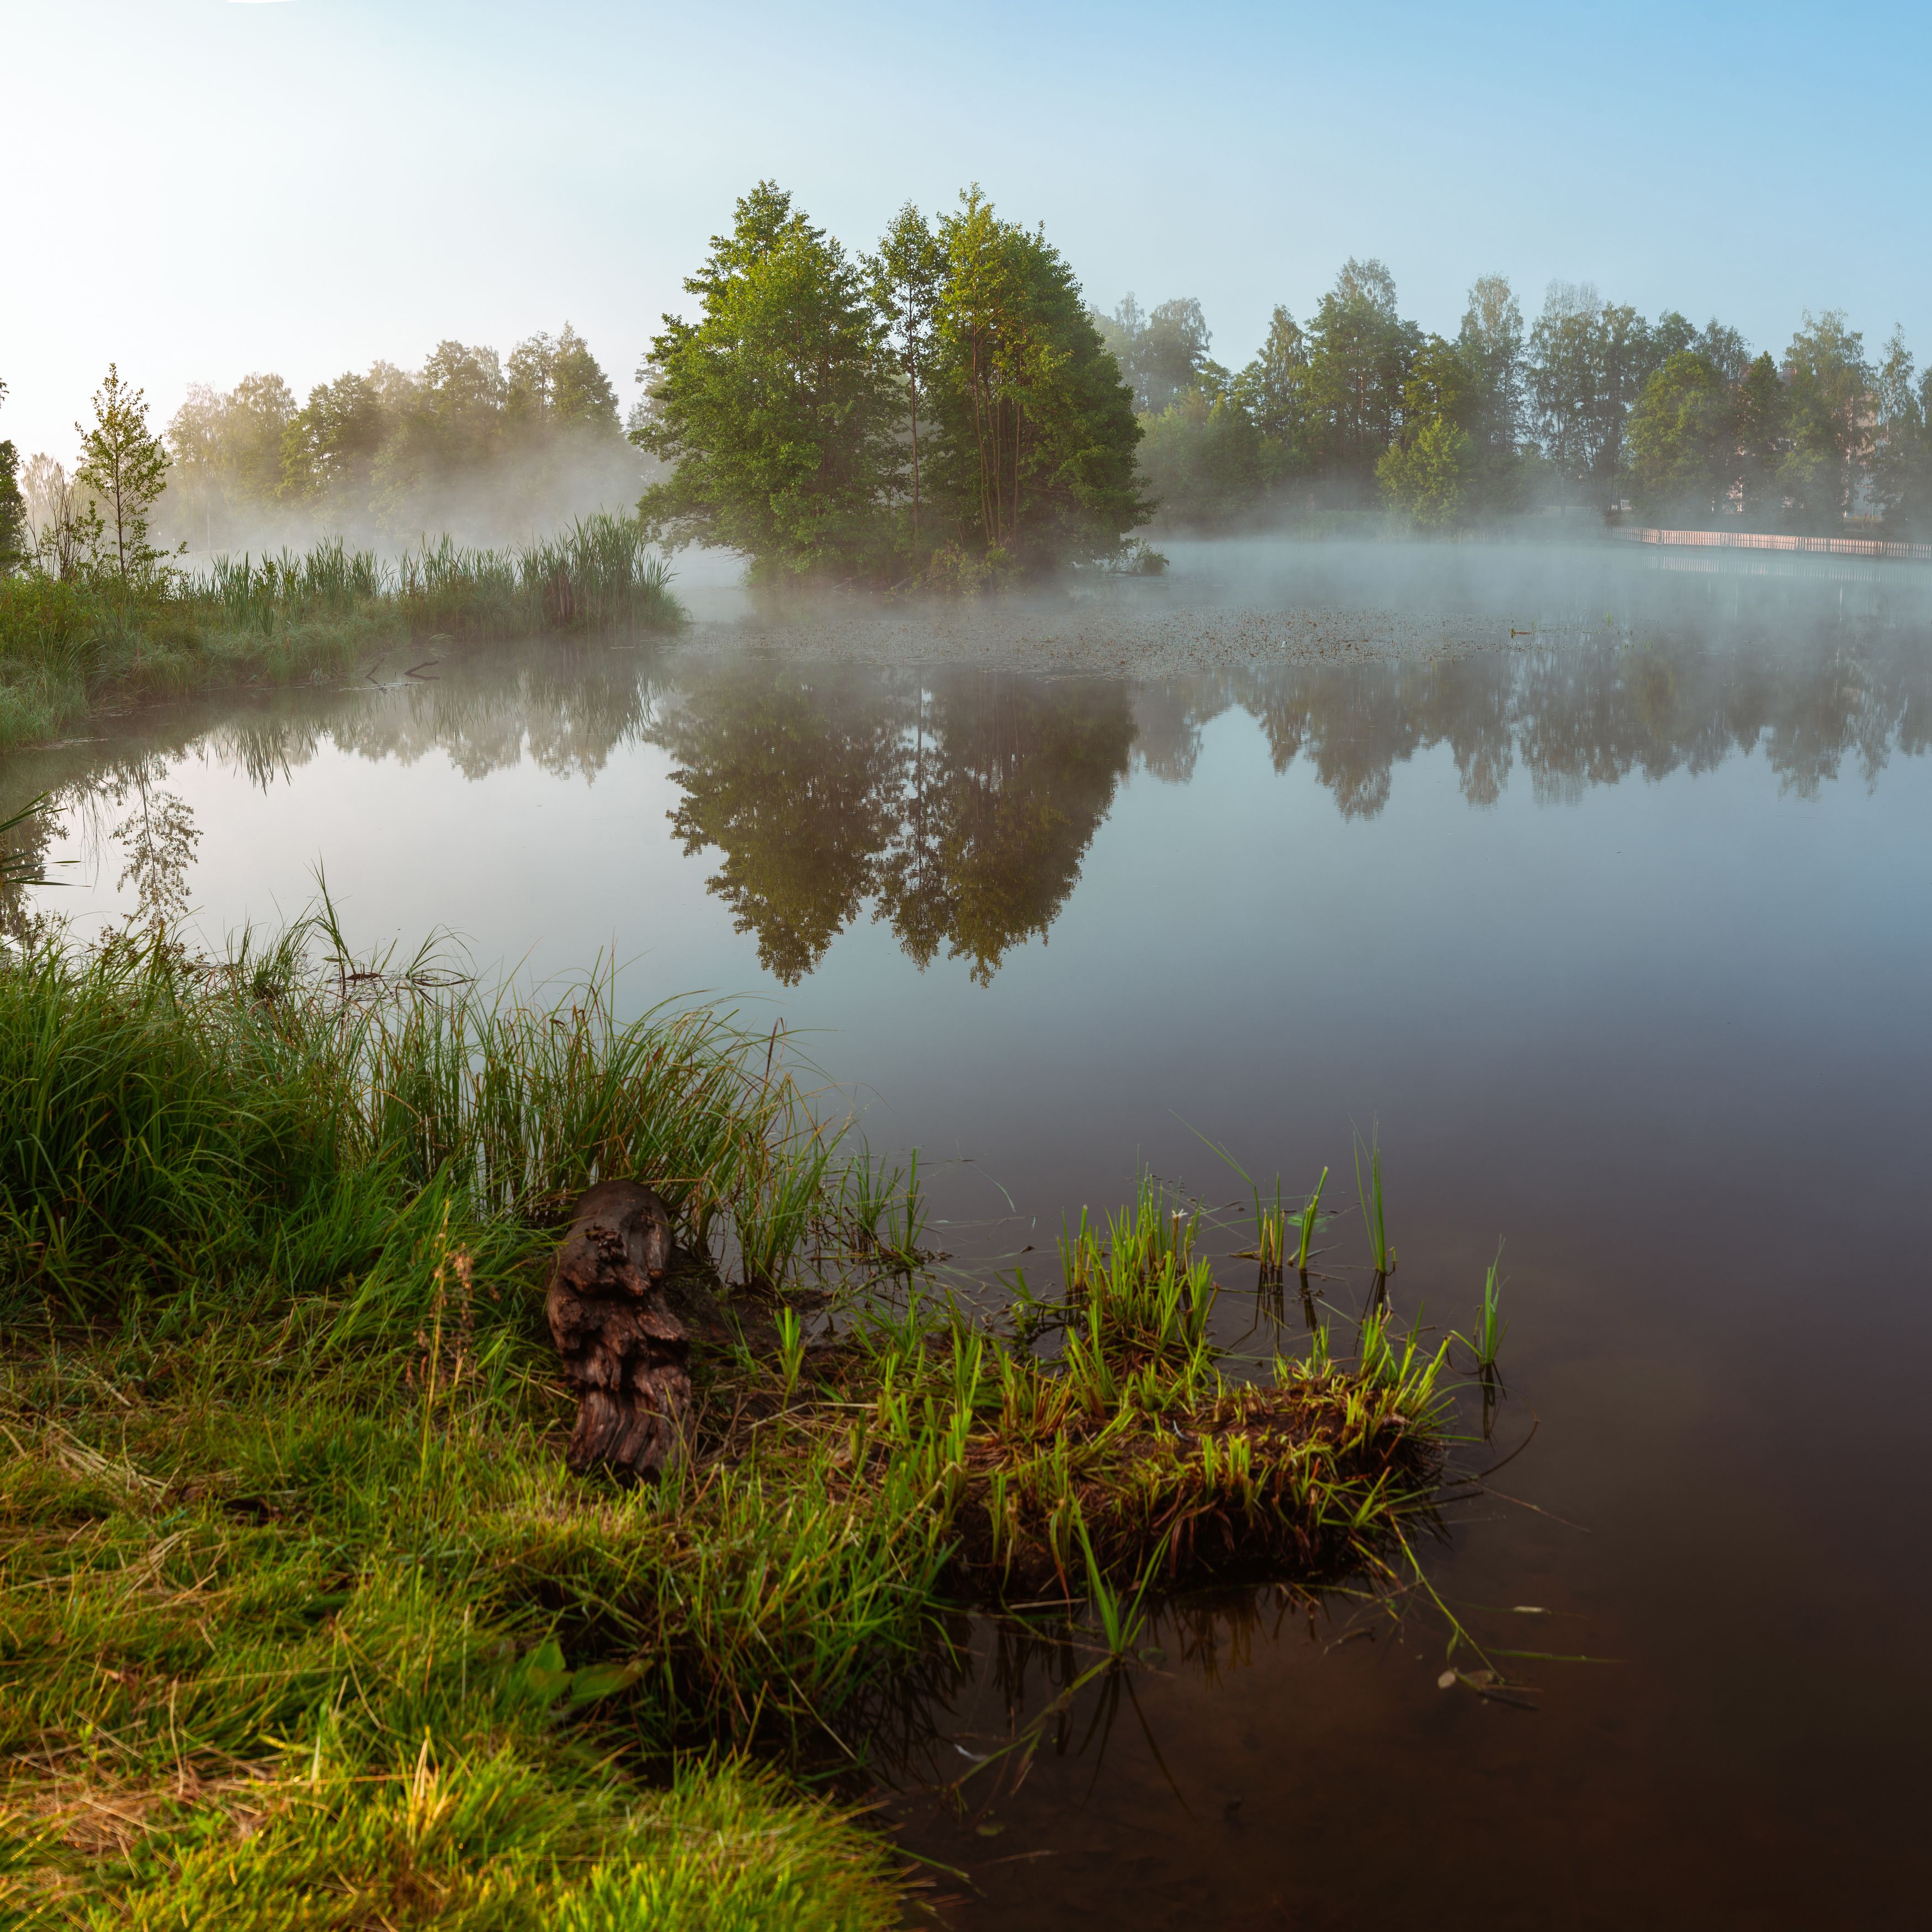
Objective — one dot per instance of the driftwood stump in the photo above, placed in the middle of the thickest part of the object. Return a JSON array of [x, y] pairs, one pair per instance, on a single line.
[[624, 1352]]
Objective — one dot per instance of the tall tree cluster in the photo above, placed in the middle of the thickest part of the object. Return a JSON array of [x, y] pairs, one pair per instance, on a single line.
[[943, 409], [1589, 404], [469, 441]]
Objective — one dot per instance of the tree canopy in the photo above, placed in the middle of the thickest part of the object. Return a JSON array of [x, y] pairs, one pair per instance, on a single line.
[[945, 408]]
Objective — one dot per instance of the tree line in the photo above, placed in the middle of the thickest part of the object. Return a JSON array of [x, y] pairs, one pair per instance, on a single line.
[[471, 443], [946, 410], [1591, 403]]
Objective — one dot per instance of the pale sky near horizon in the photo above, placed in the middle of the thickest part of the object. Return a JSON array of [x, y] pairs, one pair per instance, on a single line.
[[205, 187]]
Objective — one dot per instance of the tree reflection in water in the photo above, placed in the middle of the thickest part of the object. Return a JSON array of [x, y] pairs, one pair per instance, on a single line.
[[958, 804]]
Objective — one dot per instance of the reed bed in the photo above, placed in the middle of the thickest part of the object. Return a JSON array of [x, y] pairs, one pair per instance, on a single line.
[[298, 1597], [68, 647]]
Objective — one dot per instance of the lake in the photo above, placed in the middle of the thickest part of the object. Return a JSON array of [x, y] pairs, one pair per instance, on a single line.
[[1597, 893]]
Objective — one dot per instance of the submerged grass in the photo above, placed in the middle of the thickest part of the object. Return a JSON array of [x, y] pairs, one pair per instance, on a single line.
[[302, 1620], [67, 647]]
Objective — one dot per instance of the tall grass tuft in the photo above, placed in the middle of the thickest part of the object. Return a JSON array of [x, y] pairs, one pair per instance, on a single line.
[[165, 1120], [1370, 1196]]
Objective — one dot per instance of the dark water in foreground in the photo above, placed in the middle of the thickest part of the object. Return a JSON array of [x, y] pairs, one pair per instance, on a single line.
[[1622, 935]]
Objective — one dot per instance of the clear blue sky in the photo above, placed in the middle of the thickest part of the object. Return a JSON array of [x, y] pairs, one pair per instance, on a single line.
[[205, 187]]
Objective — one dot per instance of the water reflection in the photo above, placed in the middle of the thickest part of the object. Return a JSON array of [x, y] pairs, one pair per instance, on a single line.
[[959, 804], [956, 804]]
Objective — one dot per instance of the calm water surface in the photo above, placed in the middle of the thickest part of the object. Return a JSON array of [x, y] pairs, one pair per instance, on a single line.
[[1620, 934]]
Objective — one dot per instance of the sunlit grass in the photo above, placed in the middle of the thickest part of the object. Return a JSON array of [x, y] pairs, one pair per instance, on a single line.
[[292, 1575]]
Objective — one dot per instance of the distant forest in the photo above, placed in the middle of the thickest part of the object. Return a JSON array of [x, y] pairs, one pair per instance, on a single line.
[[1591, 404], [947, 409], [483, 448]]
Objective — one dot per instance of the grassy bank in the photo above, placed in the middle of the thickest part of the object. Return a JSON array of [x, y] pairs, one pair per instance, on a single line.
[[304, 1623], [67, 647]]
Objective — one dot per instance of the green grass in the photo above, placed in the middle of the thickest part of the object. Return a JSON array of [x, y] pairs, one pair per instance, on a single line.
[[1374, 1220], [69, 647], [303, 1622]]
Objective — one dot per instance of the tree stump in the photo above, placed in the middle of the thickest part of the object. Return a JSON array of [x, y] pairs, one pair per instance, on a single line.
[[624, 1352]]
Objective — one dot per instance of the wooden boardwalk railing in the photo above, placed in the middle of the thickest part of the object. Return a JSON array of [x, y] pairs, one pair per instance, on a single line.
[[1916, 553]]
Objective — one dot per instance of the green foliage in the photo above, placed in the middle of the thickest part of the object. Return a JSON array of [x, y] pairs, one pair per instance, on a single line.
[[1163, 355], [124, 466], [1902, 463], [1683, 440], [1429, 478], [1828, 406], [1360, 352], [945, 409], [775, 406], [468, 438], [1272, 391], [1036, 436], [1589, 360], [1204, 461], [908, 276]]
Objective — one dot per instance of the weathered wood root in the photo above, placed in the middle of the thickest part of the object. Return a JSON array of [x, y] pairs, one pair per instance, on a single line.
[[624, 1352]]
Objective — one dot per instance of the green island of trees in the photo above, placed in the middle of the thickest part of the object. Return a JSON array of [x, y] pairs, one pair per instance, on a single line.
[[944, 410]]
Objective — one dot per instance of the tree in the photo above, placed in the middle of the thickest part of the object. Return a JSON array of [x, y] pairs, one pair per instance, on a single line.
[[908, 282], [1761, 414], [330, 447], [1274, 391], [1683, 440], [227, 450], [1902, 457], [1428, 477], [776, 405], [1828, 403], [1201, 459], [1491, 344], [1359, 358], [1036, 431], [554, 384], [1162, 352], [1588, 360], [124, 465], [13, 507]]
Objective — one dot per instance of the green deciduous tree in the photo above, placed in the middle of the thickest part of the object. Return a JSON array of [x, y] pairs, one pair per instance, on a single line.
[[1202, 459], [124, 465], [908, 284], [1359, 350], [330, 447], [1589, 360], [1429, 476], [1490, 344], [555, 384], [1761, 413], [1683, 440], [776, 406], [1828, 406], [1274, 390], [1035, 432], [1902, 458]]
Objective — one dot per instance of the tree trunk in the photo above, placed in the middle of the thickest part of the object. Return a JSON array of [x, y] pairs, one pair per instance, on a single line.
[[624, 1352]]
